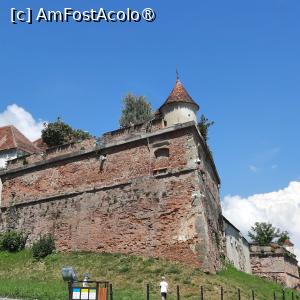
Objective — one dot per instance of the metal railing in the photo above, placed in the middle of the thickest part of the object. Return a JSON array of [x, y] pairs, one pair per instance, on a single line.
[[104, 291]]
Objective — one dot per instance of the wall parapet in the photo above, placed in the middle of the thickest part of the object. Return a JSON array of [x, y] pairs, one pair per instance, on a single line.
[[50, 153], [96, 148], [271, 250]]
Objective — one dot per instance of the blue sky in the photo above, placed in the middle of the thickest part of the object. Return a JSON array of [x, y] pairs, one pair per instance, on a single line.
[[238, 59]]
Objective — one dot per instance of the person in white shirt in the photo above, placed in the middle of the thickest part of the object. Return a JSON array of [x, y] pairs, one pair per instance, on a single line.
[[86, 278], [163, 288]]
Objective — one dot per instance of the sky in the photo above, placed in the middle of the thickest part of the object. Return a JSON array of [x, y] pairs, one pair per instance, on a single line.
[[239, 60]]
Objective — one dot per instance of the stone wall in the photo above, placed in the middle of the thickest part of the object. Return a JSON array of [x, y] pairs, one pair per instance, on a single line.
[[122, 134], [143, 195], [275, 263], [236, 247], [50, 153]]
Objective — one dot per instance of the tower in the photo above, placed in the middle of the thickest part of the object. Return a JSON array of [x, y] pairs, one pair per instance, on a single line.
[[179, 106]]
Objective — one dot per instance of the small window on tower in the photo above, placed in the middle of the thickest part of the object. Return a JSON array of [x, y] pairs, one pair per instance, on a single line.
[[162, 152]]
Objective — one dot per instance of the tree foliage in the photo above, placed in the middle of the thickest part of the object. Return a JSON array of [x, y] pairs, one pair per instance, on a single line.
[[136, 109], [264, 233], [59, 133], [283, 236], [204, 125]]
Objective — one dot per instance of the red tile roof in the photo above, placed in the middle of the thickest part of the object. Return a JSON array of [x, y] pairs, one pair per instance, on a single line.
[[12, 138], [288, 243], [179, 94], [40, 144]]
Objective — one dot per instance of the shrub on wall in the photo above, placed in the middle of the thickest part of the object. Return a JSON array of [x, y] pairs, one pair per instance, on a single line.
[[12, 241], [59, 133], [43, 247]]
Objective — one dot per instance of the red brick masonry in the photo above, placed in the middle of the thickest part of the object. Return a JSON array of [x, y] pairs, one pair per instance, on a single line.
[[122, 196]]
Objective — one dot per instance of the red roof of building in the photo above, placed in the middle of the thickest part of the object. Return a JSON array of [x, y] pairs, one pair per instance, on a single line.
[[179, 94], [12, 138], [40, 144], [288, 243]]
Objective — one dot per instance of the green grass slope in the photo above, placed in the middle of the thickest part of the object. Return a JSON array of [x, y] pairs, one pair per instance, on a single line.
[[23, 277]]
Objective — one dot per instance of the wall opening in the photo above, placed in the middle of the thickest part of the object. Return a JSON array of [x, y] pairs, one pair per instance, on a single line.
[[162, 153], [161, 162]]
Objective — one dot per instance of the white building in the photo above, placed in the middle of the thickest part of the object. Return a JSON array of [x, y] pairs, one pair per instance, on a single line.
[[236, 247], [13, 144]]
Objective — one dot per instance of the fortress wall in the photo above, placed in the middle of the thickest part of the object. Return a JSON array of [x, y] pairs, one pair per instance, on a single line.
[[153, 217], [74, 174], [127, 132], [266, 263], [291, 266], [278, 266], [53, 152], [208, 182], [135, 201]]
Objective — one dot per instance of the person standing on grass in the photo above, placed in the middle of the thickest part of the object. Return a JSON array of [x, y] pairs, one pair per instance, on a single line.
[[163, 288], [86, 278]]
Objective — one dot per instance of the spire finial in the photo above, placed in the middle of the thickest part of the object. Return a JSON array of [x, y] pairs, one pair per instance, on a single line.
[[177, 74]]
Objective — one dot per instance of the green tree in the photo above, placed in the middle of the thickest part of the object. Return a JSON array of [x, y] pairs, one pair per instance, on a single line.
[[59, 133], [283, 236], [264, 233], [136, 109], [204, 125]]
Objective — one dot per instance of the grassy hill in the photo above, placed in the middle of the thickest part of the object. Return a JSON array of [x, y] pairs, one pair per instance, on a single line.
[[23, 277]]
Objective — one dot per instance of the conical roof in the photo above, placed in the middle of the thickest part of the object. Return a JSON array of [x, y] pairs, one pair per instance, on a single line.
[[179, 95]]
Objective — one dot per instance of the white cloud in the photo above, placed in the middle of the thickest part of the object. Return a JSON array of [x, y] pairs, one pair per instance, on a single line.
[[253, 168], [23, 120], [281, 208]]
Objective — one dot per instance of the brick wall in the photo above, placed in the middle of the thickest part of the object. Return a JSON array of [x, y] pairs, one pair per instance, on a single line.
[[121, 197], [51, 153], [276, 264]]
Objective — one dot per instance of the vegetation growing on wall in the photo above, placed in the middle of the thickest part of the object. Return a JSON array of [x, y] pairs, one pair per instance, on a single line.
[[136, 109], [59, 133], [204, 125], [264, 233]]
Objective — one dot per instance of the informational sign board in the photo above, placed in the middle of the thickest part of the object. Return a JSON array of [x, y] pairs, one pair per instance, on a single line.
[[76, 294], [88, 293]]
